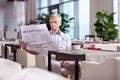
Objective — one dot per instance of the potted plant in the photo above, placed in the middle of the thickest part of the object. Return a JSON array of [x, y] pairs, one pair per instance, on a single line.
[[44, 18], [105, 27]]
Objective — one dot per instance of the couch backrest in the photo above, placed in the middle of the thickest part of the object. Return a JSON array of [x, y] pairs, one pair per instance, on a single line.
[[8, 68], [107, 70]]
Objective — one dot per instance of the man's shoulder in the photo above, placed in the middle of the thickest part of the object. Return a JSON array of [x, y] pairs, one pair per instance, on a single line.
[[61, 33], [50, 31], [65, 36]]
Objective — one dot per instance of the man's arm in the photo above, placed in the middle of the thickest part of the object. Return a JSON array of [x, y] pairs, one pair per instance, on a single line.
[[24, 46], [69, 44]]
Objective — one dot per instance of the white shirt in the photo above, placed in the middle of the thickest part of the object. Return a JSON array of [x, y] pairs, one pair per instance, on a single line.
[[62, 40]]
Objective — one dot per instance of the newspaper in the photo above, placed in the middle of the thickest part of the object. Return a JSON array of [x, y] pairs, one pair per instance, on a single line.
[[38, 38]]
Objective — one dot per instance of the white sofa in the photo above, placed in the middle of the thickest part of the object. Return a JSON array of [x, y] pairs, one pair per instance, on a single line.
[[8, 68], [39, 61], [28, 60], [37, 74], [11, 36], [118, 48], [107, 70], [25, 59], [1, 35], [2, 48]]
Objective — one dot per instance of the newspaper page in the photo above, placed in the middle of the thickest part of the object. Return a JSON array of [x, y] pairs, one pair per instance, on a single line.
[[38, 38]]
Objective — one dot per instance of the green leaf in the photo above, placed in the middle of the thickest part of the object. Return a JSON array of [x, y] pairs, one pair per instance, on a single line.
[[105, 27], [44, 18]]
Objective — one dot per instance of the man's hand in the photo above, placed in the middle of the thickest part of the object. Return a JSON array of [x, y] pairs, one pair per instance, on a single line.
[[24, 46]]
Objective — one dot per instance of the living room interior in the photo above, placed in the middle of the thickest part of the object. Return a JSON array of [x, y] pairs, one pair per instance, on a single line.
[[92, 25]]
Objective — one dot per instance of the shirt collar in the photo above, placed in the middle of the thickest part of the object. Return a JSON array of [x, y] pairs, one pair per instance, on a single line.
[[51, 32]]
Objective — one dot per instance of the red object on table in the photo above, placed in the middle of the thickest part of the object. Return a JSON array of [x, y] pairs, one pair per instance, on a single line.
[[93, 48]]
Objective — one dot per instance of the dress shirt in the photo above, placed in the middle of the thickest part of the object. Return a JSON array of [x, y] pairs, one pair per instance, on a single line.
[[62, 40]]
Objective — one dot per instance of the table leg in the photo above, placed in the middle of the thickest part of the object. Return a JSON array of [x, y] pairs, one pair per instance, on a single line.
[[76, 69], [14, 56], [15, 47], [49, 61], [6, 51]]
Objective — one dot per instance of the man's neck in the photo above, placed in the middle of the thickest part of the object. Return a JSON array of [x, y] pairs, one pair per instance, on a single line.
[[56, 31]]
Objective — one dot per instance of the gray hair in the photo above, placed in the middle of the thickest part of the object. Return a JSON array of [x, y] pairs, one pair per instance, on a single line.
[[56, 15]]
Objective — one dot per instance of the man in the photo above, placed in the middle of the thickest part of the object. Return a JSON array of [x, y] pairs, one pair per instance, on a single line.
[[62, 41]]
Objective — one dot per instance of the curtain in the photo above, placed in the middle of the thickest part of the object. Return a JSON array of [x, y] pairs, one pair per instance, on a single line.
[[30, 11]]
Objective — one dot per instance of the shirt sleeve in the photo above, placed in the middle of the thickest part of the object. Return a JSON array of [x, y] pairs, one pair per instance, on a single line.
[[68, 46]]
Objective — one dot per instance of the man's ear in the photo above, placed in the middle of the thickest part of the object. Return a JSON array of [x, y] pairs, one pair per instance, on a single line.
[[60, 23]]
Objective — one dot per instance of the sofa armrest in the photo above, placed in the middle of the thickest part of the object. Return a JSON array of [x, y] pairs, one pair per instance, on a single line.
[[8, 69], [41, 61], [106, 70], [118, 48], [29, 60], [25, 59]]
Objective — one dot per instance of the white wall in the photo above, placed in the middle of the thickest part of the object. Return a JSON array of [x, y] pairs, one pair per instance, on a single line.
[[119, 18], [98, 5], [10, 15], [14, 14], [1, 17], [20, 13], [30, 11]]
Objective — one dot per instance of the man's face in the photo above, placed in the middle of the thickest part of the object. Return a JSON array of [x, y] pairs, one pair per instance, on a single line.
[[55, 23]]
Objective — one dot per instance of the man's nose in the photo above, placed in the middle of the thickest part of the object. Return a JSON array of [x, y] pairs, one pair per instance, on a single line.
[[53, 23]]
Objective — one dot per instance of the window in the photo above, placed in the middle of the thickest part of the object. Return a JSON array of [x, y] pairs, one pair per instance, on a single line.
[[45, 11], [53, 9], [116, 16], [116, 11], [54, 2], [43, 3], [84, 18], [68, 8], [66, 0]]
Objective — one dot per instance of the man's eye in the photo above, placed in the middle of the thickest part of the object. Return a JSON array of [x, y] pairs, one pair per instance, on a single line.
[[53, 22]]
